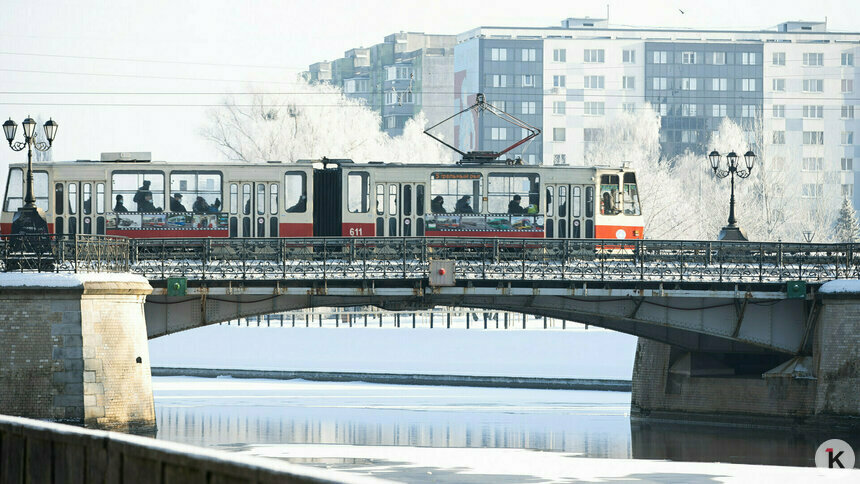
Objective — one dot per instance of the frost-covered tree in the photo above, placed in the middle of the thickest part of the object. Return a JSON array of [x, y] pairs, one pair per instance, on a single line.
[[311, 122], [847, 227]]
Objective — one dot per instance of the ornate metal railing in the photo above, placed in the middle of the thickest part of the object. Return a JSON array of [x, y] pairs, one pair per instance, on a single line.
[[68, 253], [493, 259]]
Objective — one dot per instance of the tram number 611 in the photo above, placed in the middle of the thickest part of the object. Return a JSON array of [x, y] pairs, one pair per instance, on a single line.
[[353, 231]]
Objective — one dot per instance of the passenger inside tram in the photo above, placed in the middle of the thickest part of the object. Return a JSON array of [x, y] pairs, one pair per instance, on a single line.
[[514, 207], [146, 205], [200, 205], [300, 206], [176, 203], [141, 194], [437, 205], [119, 207], [463, 205]]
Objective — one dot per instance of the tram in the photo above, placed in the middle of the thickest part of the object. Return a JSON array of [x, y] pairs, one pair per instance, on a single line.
[[130, 195]]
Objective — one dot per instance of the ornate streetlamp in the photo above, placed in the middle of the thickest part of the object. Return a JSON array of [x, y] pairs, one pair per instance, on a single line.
[[732, 231], [30, 219]]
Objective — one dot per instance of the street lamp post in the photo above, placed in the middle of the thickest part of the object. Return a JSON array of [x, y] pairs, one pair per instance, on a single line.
[[30, 219], [732, 231]]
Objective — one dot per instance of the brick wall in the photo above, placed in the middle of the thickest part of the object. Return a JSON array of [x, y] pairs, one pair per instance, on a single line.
[[836, 351]]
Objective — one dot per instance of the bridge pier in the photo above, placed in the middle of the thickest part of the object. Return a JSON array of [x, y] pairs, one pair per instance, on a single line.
[[818, 390], [73, 348]]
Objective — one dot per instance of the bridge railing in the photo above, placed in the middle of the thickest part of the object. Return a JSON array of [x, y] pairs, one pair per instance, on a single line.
[[493, 259], [64, 253]]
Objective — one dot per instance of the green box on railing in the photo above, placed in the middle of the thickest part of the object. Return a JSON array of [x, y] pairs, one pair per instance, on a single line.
[[177, 286], [796, 289]]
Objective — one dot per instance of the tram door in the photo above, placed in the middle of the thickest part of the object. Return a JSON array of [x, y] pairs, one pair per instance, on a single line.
[[328, 201], [90, 205], [557, 211], [249, 209], [400, 209]]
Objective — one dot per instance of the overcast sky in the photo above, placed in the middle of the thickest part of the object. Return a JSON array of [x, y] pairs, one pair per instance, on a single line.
[[52, 51]]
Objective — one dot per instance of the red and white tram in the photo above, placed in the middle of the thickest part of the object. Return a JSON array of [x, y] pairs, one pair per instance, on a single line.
[[116, 196]]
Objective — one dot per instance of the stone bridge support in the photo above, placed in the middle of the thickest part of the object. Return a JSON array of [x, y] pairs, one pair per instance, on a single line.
[[817, 389], [73, 348]]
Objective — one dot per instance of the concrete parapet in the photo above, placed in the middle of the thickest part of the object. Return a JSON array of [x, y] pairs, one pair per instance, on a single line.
[[34, 451], [73, 348]]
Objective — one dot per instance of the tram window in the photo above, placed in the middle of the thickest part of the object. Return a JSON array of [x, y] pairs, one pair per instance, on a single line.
[[58, 198], [273, 198], [358, 192], [380, 199], [14, 190], [631, 195], [100, 198], [419, 200], [589, 202], [576, 210], [455, 192], [87, 204], [513, 193], [562, 201], [135, 185], [246, 200], [40, 189], [609, 195], [295, 192], [234, 198], [261, 198], [392, 199], [407, 200], [201, 191], [549, 203], [73, 198]]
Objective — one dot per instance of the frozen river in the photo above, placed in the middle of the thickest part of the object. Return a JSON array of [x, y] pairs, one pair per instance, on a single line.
[[445, 434]]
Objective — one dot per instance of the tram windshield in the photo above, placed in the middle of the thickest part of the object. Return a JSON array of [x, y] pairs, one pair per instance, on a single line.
[[609, 195], [631, 195], [15, 190], [455, 192]]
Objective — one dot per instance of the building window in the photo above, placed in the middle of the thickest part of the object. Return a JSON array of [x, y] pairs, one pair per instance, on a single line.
[[688, 110], [847, 59], [747, 85], [847, 85], [558, 81], [558, 107], [688, 57], [812, 164], [720, 84], [528, 80], [813, 112], [500, 105], [593, 55], [559, 55], [779, 137], [720, 110], [662, 109], [498, 54], [748, 58], [592, 135], [779, 58], [560, 159], [498, 134], [594, 82], [500, 80], [779, 110], [811, 59], [390, 122], [594, 109], [813, 190], [528, 107], [689, 136], [813, 85], [628, 107], [847, 112], [660, 57], [659, 83], [848, 190], [529, 55], [748, 111], [558, 134], [779, 85], [718, 58], [847, 164], [628, 82], [688, 83], [847, 137], [813, 137], [628, 56]]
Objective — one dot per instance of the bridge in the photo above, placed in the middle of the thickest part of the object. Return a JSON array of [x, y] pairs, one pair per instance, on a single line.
[[701, 308]]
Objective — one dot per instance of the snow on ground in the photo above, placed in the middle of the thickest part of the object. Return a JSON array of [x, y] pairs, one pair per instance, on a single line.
[[414, 464], [840, 285], [533, 353], [51, 279]]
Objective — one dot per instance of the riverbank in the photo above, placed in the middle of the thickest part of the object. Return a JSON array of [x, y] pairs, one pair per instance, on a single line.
[[406, 379]]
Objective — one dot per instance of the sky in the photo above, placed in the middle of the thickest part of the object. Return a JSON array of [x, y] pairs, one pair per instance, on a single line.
[[140, 76]]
